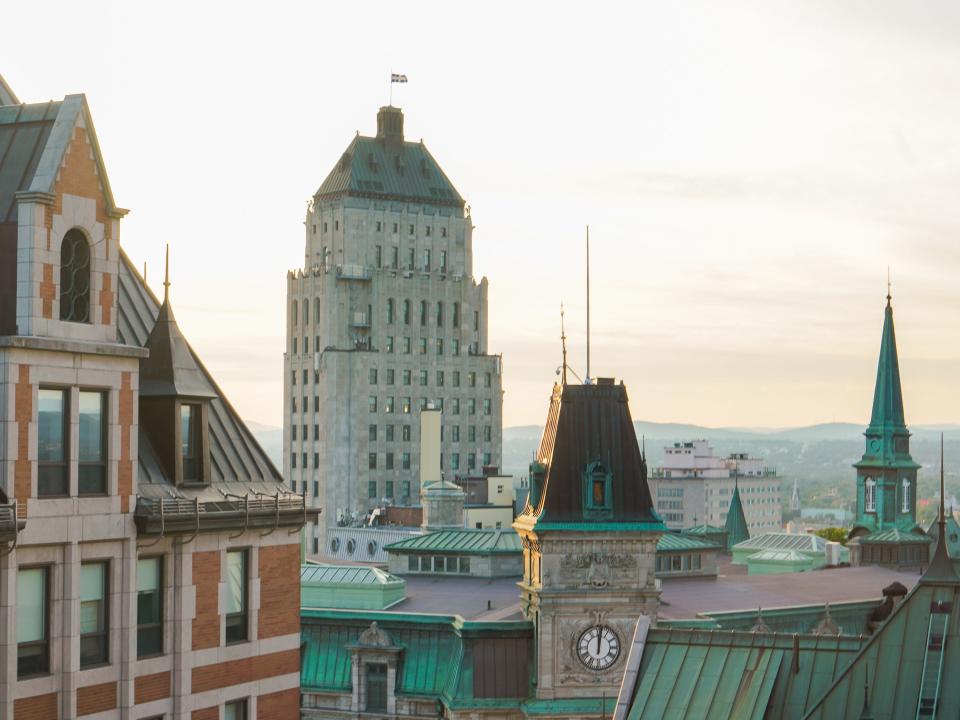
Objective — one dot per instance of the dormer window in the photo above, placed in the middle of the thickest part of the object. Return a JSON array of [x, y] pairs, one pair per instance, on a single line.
[[75, 277], [598, 491], [190, 442]]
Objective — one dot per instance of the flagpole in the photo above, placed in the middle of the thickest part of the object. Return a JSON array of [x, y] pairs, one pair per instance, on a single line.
[[391, 87]]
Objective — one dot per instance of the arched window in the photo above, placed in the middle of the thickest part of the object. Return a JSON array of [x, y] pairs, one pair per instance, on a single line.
[[316, 310], [869, 495], [306, 312], [423, 312], [905, 506], [439, 314], [75, 277], [406, 312], [293, 312], [389, 311]]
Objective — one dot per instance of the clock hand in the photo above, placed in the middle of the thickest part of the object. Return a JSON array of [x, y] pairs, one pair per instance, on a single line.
[[598, 640]]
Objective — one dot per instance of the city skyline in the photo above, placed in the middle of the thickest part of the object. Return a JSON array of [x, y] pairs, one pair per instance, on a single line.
[[748, 175]]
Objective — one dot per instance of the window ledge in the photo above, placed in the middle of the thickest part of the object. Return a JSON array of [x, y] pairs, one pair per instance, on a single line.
[[78, 346]]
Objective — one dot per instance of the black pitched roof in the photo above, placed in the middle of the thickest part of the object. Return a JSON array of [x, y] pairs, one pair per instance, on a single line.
[[586, 424]]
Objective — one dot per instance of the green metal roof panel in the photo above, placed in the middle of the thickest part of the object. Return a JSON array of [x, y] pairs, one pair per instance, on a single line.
[[672, 542], [736, 525], [803, 542], [373, 167], [345, 575], [325, 661], [786, 557], [24, 131], [896, 536], [462, 542], [703, 530]]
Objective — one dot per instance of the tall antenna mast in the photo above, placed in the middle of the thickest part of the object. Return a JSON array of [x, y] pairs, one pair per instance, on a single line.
[[943, 498], [166, 275], [588, 305], [563, 342]]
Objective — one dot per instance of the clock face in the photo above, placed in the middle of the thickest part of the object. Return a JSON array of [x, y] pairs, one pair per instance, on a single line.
[[598, 647]]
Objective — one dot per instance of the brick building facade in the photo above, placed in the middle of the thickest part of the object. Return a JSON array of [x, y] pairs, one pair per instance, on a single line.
[[148, 547]]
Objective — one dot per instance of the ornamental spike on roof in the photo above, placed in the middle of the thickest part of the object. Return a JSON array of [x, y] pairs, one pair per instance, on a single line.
[[887, 395], [736, 522]]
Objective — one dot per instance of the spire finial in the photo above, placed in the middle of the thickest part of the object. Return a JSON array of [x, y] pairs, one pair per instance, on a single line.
[[943, 497], [144, 272], [563, 342], [166, 275], [889, 296], [588, 305]]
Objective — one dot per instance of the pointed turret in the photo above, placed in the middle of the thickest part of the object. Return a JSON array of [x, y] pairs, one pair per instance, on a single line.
[[736, 525], [941, 568], [174, 396], [887, 412]]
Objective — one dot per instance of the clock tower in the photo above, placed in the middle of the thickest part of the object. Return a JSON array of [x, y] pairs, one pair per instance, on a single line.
[[589, 533]]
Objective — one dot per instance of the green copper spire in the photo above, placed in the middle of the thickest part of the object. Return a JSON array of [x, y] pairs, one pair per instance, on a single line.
[[736, 524], [887, 395]]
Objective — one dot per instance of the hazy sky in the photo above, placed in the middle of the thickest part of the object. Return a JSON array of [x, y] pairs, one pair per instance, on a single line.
[[748, 170]]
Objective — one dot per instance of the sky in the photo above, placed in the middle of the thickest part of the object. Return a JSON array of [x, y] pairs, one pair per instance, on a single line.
[[749, 171]]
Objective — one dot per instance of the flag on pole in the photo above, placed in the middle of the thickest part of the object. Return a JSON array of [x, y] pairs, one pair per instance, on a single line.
[[397, 78]]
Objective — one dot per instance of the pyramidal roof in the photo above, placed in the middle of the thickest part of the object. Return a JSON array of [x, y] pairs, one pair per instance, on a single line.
[[736, 524], [171, 370], [887, 395]]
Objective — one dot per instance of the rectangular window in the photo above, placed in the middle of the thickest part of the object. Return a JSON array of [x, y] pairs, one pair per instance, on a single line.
[[487, 379], [439, 563], [406, 346], [390, 376], [424, 377], [439, 314], [394, 254], [372, 461], [471, 379], [487, 433], [94, 633], [236, 600], [389, 433], [487, 406], [423, 312], [443, 255], [93, 443], [423, 406], [306, 376], [405, 406], [439, 346], [235, 710], [376, 685], [316, 432], [413, 563], [456, 378], [316, 460], [388, 404], [465, 565], [406, 433], [372, 403], [389, 461], [52, 433], [316, 403], [406, 377], [379, 227], [476, 319], [372, 433], [472, 406], [456, 314], [405, 488], [454, 346], [389, 347], [455, 433], [33, 638], [293, 460], [410, 255], [372, 489], [373, 376], [293, 377], [316, 488], [190, 441], [472, 433], [378, 259], [149, 606], [471, 461], [455, 461], [388, 489], [455, 408], [439, 378], [423, 346], [486, 462], [406, 461]]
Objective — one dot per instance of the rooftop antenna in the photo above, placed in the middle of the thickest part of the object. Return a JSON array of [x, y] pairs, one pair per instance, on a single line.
[[588, 305], [166, 275], [563, 342], [943, 498]]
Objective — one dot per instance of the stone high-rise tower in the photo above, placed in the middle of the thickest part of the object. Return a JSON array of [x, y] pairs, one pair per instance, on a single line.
[[385, 319]]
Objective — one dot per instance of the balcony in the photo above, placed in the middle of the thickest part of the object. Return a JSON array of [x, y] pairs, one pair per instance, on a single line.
[[155, 516], [354, 272]]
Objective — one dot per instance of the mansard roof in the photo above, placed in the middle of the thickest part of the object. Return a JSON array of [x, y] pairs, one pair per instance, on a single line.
[[389, 168], [589, 424]]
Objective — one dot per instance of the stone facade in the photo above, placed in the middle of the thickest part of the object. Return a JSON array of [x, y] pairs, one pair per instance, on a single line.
[[385, 317]]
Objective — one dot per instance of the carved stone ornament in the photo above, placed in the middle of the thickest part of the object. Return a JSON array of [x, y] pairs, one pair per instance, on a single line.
[[595, 570], [373, 636]]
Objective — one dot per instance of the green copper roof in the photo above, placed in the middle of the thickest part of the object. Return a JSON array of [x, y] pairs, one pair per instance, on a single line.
[[345, 575], [736, 524], [780, 557], [461, 542], [896, 536], [672, 542], [389, 169], [804, 542], [887, 395], [703, 530], [704, 675], [953, 535]]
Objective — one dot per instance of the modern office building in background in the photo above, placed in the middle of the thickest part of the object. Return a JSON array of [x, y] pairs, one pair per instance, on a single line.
[[385, 319], [694, 486]]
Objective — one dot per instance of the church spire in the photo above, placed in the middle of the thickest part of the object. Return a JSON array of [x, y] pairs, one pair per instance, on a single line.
[[887, 396], [736, 525]]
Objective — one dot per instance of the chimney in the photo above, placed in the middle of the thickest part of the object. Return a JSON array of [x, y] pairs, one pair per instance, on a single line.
[[390, 125]]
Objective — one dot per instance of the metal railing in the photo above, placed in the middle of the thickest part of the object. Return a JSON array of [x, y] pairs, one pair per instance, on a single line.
[[354, 272]]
